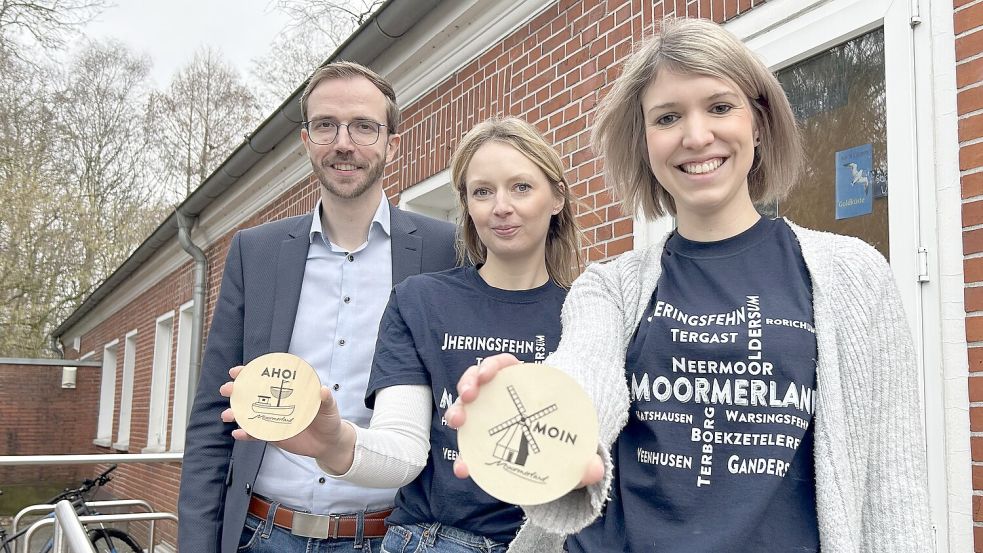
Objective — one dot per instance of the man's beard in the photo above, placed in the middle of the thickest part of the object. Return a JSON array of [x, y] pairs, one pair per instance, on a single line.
[[373, 173]]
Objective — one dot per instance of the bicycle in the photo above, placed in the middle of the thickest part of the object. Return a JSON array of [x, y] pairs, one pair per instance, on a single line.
[[103, 539]]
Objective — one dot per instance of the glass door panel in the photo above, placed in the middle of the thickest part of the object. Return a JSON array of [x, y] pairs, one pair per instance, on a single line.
[[838, 97]]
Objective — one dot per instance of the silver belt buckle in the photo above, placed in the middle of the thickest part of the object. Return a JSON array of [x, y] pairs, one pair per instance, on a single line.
[[308, 525]]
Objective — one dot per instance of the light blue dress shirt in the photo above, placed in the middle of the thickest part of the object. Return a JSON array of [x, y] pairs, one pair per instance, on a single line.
[[341, 303]]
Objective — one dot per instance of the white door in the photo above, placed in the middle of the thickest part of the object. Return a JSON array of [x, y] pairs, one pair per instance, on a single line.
[[847, 67]]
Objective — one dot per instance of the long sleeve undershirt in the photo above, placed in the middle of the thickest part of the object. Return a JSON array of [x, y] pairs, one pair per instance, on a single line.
[[393, 450]]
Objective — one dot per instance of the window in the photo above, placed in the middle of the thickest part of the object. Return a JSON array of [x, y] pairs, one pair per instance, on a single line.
[[434, 197], [183, 387], [107, 395], [126, 399], [839, 100], [160, 384]]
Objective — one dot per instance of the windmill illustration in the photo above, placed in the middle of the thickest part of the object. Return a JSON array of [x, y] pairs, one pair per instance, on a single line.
[[513, 447]]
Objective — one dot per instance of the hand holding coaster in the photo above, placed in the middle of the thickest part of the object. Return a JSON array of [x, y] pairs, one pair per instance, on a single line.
[[530, 435], [276, 396]]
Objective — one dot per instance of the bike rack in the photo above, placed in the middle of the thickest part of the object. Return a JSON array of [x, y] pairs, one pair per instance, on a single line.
[[125, 517], [47, 508], [68, 528]]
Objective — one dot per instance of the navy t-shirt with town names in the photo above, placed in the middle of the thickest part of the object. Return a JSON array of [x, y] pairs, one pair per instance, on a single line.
[[717, 454], [436, 326]]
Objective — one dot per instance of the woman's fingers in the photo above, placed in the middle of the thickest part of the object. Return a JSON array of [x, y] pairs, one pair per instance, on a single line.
[[482, 373], [461, 469], [594, 472], [467, 386]]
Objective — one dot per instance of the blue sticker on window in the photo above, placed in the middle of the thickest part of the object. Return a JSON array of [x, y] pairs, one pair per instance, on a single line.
[[854, 181]]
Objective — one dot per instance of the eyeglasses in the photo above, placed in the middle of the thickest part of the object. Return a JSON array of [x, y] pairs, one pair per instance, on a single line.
[[363, 132]]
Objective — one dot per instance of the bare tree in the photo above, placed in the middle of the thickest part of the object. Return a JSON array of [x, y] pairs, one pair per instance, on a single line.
[[46, 23], [71, 160], [26, 290], [103, 150], [333, 19], [316, 29], [200, 119]]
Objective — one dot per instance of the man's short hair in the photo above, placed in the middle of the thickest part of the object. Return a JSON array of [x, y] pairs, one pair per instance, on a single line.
[[351, 70]]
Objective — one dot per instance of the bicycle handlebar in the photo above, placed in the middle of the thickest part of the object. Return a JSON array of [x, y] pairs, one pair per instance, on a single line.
[[87, 485], [104, 477]]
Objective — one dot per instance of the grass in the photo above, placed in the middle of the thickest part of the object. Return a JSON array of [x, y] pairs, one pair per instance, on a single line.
[[17, 496]]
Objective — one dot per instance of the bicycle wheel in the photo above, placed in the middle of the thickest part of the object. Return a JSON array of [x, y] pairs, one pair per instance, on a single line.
[[111, 540]]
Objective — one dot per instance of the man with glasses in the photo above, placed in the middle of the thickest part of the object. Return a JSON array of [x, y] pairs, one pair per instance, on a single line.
[[316, 286]]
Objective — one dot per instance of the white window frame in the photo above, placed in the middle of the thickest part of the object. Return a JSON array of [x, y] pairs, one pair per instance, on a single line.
[[126, 397], [182, 377], [646, 233], [107, 395], [160, 384], [433, 197]]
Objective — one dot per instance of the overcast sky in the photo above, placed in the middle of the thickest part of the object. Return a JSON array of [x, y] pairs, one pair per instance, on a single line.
[[170, 31]]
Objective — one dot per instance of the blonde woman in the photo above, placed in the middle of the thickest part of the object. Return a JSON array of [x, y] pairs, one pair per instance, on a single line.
[[754, 380], [519, 249]]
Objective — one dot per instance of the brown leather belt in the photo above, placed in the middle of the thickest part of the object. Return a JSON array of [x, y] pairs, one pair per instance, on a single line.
[[320, 526]]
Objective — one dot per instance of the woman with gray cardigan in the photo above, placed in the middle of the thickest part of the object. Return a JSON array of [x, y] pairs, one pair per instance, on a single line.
[[754, 380]]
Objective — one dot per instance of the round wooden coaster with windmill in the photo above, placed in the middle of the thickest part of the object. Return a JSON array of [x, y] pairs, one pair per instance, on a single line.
[[276, 396], [530, 435]]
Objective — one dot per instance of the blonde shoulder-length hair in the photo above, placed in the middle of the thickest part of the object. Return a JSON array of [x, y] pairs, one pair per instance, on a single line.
[[563, 260], [693, 47]]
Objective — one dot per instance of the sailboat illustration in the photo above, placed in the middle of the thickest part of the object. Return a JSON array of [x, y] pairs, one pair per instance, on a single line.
[[280, 393], [514, 446]]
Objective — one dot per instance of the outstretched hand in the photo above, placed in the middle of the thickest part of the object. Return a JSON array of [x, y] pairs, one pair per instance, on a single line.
[[328, 438], [468, 389]]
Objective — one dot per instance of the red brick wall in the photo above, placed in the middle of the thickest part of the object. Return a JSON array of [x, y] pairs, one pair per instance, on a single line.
[[39, 417], [968, 27], [552, 72]]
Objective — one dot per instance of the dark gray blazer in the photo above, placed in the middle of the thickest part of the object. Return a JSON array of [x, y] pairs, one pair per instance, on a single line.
[[255, 315]]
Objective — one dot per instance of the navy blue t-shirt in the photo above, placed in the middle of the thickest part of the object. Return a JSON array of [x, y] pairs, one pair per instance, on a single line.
[[436, 326], [717, 454]]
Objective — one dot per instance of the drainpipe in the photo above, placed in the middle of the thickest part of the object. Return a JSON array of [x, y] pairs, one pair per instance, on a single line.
[[198, 295], [55, 347]]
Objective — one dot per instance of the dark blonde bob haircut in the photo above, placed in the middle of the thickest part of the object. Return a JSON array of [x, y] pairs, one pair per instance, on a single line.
[[563, 261], [693, 47]]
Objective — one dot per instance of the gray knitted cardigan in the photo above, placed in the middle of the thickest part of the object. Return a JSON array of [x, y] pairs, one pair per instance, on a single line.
[[871, 484]]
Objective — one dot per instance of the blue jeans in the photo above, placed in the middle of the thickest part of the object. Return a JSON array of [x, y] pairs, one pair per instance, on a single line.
[[437, 538], [262, 536]]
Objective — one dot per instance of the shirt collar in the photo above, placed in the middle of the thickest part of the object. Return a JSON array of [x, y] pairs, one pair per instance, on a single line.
[[380, 219]]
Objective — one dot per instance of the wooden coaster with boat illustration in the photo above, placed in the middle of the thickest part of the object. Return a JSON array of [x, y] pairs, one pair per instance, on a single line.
[[530, 435], [276, 396]]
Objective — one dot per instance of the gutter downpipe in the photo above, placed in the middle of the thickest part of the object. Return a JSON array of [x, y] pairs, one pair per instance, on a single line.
[[198, 296]]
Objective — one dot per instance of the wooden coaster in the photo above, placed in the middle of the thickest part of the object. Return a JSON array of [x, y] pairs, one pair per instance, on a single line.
[[276, 396], [530, 435]]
